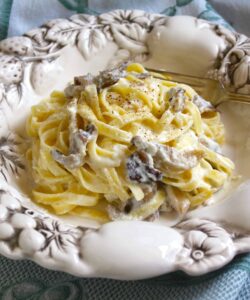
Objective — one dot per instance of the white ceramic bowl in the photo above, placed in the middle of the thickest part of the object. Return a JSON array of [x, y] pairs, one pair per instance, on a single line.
[[47, 58]]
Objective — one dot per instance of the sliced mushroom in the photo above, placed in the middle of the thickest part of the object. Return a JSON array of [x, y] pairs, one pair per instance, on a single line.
[[177, 98], [140, 168], [172, 158], [103, 79], [111, 76], [71, 161], [78, 140], [80, 82], [165, 157], [140, 144], [202, 104]]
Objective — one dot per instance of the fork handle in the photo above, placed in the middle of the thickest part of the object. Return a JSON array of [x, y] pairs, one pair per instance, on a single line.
[[234, 97]]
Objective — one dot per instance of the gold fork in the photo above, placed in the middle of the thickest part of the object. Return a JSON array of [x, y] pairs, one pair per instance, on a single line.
[[210, 89]]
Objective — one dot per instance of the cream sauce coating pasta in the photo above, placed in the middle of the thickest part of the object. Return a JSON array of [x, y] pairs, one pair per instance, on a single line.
[[126, 150]]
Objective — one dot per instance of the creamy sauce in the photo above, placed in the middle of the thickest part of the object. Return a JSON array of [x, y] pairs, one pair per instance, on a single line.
[[211, 144], [236, 137]]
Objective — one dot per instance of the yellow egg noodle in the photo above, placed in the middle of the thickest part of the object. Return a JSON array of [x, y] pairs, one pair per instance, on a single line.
[[125, 145]]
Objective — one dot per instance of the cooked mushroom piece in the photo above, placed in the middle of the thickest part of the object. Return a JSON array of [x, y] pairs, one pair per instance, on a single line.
[[140, 168], [80, 82], [71, 161], [177, 98], [103, 79], [172, 158], [110, 76], [78, 140], [165, 157], [140, 144], [202, 104]]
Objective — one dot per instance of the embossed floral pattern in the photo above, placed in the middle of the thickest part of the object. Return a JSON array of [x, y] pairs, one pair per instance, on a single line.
[[21, 229], [89, 33], [58, 237], [207, 246], [233, 70], [11, 75], [126, 17], [10, 156]]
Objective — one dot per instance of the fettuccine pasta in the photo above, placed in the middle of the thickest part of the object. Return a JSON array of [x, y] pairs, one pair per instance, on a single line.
[[125, 145]]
